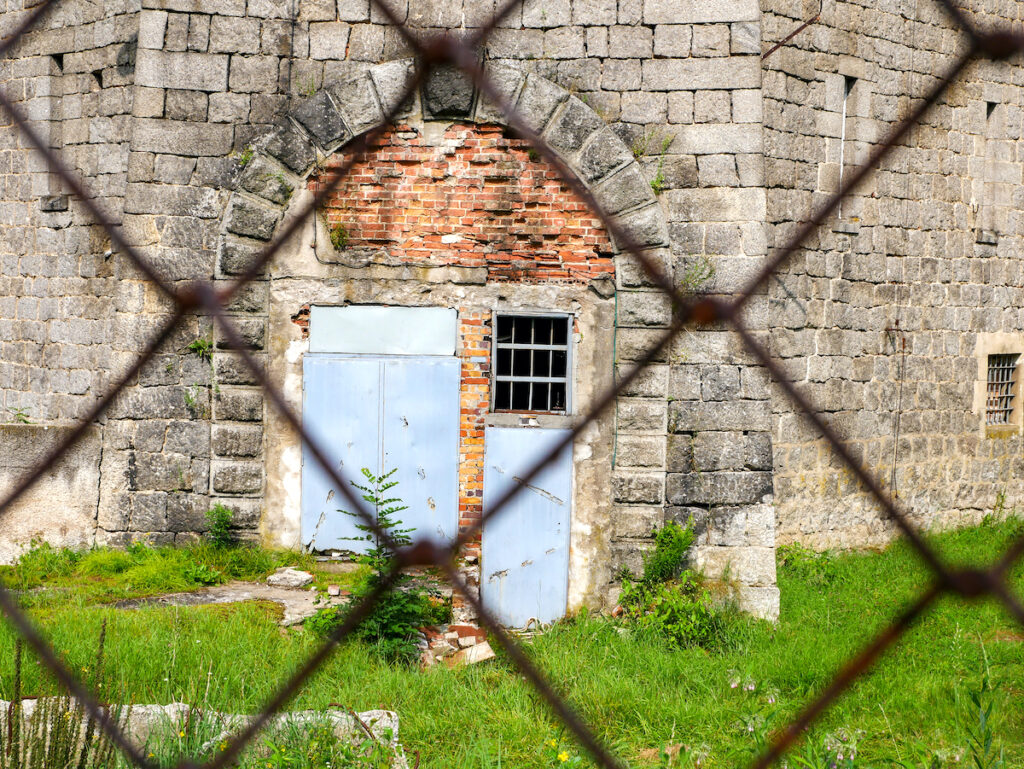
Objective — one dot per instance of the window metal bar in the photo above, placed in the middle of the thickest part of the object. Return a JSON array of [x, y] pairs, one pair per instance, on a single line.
[[520, 378], [525, 346], [999, 400]]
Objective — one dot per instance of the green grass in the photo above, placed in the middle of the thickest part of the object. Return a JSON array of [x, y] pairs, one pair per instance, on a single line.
[[636, 693]]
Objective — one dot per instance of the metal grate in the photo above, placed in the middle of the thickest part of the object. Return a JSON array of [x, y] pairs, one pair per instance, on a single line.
[[531, 363], [449, 51], [999, 394]]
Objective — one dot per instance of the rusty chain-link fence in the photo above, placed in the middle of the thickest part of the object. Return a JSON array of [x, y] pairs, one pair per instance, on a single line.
[[462, 53]]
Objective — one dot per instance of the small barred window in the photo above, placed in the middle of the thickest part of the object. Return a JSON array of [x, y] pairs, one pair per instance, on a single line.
[[1002, 370], [531, 363]]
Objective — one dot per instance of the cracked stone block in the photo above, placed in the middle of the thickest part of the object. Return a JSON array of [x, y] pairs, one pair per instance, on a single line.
[[572, 127], [320, 117], [357, 101], [393, 79], [603, 153], [507, 82], [538, 102], [624, 190], [248, 218], [265, 178], [292, 149], [448, 92]]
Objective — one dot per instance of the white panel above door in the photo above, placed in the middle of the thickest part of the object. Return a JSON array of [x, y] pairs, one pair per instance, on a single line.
[[377, 330]]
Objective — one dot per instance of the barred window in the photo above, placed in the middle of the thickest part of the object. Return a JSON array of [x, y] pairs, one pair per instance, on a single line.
[[531, 363], [999, 404]]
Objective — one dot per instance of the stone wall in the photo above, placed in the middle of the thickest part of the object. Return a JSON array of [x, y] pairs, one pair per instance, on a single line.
[[675, 83], [886, 318]]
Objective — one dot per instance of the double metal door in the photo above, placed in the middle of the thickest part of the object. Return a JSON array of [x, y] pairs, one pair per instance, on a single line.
[[381, 413]]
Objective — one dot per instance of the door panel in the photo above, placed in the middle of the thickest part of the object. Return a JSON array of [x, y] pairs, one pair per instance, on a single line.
[[381, 412], [525, 549], [420, 434], [341, 411]]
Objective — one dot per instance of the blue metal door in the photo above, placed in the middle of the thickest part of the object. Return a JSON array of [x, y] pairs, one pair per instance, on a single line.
[[381, 413], [420, 436], [525, 549]]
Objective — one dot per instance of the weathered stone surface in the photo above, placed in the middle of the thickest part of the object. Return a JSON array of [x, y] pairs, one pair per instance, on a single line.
[[572, 126], [289, 577], [194, 71], [237, 440], [251, 219], [718, 488], [507, 82], [700, 11], [624, 190], [696, 74], [237, 478], [321, 119], [236, 405], [448, 92], [689, 416], [538, 101], [292, 149], [357, 101], [186, 512], [181, 138], [265, 178], [645, 228], [603, 153], [61, 507], [236, 257], [393, 79]]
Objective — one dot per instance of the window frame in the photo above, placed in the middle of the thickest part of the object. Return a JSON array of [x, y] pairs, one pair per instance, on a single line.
[[1013, 390], [569, 319]]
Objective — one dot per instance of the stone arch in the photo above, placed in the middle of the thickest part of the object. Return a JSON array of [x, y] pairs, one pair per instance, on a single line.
[[261, 196], [318, 126]]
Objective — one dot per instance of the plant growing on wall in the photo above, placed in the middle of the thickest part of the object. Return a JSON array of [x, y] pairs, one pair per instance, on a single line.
[[203, 348], [339, 237], [19, 415]]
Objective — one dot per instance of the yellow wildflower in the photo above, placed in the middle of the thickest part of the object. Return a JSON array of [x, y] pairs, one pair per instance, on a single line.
[[181, 734], [563, 756], [552, 743]]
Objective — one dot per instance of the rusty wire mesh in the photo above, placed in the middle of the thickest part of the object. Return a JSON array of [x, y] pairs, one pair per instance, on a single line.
[[204, 297]]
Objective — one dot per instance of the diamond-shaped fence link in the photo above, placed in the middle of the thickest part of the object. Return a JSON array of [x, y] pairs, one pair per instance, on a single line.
[[462, 52]]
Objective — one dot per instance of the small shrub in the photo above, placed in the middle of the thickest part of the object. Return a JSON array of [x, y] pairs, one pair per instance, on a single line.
[[220, 520], [670, 602], [393, 623], [680, 612], [671, 544], [986, 753]]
